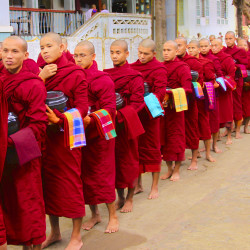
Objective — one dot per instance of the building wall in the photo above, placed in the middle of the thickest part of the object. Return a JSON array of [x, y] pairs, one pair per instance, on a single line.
[[208, 25]]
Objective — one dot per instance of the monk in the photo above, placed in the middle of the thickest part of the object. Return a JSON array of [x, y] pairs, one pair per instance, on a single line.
[[98, 165], [63, 189], [191, 115], [225, 98], [240, 57], [242, 43], [205, 51], [21, 185], [41, 62], [211, 38], [129, 84], [179, 76], [203, 114], [155, 75]]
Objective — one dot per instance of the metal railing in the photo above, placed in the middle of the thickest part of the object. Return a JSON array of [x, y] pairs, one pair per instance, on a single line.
[[36, 22]]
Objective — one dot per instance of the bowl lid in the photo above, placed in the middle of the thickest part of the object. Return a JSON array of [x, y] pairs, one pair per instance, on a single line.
[[55, 98]]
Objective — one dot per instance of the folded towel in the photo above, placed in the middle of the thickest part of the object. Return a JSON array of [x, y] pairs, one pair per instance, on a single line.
[[180, 99], [198, 90], [26, 146], [222, 83], [231, 84], [131, 121], [210, 95], [104, 123], [153, 105], [74, 133]]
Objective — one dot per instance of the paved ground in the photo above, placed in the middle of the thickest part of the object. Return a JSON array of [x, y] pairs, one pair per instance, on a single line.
[[207, 209]]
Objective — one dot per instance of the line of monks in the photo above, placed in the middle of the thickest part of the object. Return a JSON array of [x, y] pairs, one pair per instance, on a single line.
[[60, 181]]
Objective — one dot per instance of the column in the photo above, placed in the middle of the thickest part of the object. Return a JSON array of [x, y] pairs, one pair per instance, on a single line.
[[5, 28]]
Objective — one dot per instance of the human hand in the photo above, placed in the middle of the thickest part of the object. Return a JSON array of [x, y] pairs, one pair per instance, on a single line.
[[48, 71], [52, 116]]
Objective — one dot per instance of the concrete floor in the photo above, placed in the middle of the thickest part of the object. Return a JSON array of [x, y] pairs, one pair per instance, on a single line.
[[207, 209]]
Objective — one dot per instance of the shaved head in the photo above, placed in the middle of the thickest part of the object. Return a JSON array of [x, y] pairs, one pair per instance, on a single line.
[[230, 33], [195, 42], [88, 45], [182, 39], [242, 43], [172, 43], [54, 36], [204, 40], [217, 40], [204, 46], [216, 45], [18, 39], [148, 43], [120, 43]]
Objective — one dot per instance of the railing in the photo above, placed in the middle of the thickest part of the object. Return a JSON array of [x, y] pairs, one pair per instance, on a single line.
[[35, 22]]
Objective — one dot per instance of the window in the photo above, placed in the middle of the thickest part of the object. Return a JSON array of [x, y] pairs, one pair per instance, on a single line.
[[198, 8], [16, 3], [202, 8], [222, 11]]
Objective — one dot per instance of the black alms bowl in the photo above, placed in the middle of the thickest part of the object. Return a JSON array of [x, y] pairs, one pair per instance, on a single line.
[[194, 75], [13, 123], [56, 100], [146, 88], [119, 101]]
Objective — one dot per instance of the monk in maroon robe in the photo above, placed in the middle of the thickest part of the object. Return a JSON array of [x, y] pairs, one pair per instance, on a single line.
[[21, 185], [98, 165], [155, 75], [205, 51], [191, 115], [240, 58], [63, 189], [32, 66], [225, 97], [129, 84], [179, 76], [242, 43], [203, 114]]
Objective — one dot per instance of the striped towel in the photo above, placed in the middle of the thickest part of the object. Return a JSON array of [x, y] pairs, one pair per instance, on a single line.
[[153, 105], [180, 99], [222, 83], [198, 90], [105, 125], [74, 129], [211, 95], [230, 83]]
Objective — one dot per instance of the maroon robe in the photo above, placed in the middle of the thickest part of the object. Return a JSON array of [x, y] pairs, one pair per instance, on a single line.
[[41, 63], [63, 190], [155, 75], [129, 84], [203, 113], [21, 186], [32, 66], [225, 97], [174, 122], [240, 57], [214, 115], [98, 165], [246, 94], [191, 115]]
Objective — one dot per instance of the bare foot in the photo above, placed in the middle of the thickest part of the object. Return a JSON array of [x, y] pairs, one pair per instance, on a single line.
[[246, 131], [175, 176], [193, 166], [210, 158], [113, 225], [51, 239], [138, 189], [167, 175], [119, 204], [217, 150], [154, 194], [128, 207], [237, 135], [229, 142], [74, 245], [198, 156], [91, 223], [27, 247]]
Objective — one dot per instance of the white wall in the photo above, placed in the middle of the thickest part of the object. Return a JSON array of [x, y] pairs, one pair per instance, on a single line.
[[190, 28]]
